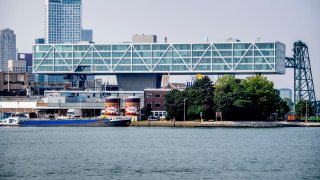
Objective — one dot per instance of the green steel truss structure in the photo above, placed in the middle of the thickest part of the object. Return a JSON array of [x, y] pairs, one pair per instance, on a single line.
[[303, 81]]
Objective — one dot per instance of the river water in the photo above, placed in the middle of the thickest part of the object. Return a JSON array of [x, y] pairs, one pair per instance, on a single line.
[[159, 153]]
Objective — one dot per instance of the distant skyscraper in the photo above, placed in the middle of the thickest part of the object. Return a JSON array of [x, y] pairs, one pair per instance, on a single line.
[[39, 41], [27, 57], [17, 65], [62, 21], [86, 35], [285, 93], [8, 49]]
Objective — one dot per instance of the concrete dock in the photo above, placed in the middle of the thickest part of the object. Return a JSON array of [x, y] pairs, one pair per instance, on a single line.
[[226, 124]]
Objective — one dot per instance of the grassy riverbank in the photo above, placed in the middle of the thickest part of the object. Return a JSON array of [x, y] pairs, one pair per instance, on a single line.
[[231, 124]]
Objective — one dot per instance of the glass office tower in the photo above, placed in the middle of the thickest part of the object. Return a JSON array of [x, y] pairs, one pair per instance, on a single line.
[[8, 50]]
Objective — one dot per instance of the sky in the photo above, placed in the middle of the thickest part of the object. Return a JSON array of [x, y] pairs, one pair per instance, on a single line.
[[184, 21]]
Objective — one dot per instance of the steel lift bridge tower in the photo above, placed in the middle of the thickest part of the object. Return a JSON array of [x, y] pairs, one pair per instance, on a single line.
[[303, 81]]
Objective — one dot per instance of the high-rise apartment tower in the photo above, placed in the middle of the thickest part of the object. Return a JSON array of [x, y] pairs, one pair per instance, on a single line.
[[62, 21]]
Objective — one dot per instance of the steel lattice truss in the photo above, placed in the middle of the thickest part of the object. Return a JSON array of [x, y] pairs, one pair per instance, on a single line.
[[208, 58], [303, 81]]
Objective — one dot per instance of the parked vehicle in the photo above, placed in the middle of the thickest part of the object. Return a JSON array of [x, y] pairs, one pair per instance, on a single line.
[[103, 114], [293, 118], [74, 113], [153, 118]]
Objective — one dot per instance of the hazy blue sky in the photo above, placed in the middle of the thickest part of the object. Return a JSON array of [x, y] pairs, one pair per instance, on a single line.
[[184, 21]]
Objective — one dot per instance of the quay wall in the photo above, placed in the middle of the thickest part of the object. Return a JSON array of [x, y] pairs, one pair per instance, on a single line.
[[226, 124]]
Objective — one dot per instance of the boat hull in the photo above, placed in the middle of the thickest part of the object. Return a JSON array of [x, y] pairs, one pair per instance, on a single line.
[[76, 123], [120, 123], [6, 125]]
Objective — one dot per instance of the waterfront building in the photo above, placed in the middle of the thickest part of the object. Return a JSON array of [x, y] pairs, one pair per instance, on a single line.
[[179, 86], [15, 83], [138, 66], [89, 102], [44, 82], [7, 48], [86, 35], [17, 104], [17, 66], [154, 99], [32, 76], [63, 21]]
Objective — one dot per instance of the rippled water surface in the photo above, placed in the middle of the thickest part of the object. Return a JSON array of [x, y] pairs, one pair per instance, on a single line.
[[159, 153]]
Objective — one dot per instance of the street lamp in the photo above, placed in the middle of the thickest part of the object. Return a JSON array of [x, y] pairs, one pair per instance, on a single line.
[[8, 80], [184, 109], [18, 108], [59, 107], [80, 106], [317, 111], [317, 106], [306, 118], [301, 110]]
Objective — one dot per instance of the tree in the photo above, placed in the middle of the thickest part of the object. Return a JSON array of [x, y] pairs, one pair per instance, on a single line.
[[253, 98], [227, 96], [174, 104], [193, 111], [301, 108], [289, 102], [285, 106], [200, 98], [146, 112], [264, 98], [242, 109]]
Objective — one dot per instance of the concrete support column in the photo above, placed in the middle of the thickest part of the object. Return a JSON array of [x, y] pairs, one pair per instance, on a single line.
[[138, 82]]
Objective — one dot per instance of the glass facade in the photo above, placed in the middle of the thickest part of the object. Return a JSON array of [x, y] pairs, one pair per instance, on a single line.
[[62, 21], [206, 58], [8, 48]]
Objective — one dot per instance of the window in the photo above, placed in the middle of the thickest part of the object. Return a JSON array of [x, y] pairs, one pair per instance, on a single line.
[[149, 105], [157, 95], [157, 105]]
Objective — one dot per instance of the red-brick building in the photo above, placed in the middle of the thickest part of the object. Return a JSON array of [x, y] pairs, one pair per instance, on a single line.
[[154, 99]]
